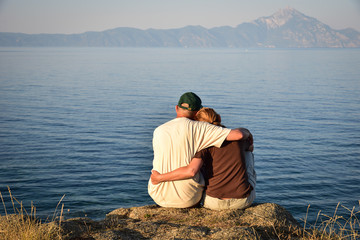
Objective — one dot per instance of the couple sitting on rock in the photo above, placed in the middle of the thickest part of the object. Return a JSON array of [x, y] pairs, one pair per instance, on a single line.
[[194, 152]]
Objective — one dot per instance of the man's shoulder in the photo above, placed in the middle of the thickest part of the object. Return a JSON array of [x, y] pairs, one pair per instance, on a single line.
[[185, 123], [167, 126], [164, 125], [174, 122]]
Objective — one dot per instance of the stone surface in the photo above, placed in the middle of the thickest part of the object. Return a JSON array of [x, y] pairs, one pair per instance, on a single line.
[[261, 221]]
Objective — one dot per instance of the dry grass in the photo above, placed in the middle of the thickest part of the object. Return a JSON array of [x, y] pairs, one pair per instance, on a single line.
[[25, 225], [334, 227]]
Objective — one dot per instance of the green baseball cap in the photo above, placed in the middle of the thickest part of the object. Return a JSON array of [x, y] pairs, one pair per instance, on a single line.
[[190, 101]]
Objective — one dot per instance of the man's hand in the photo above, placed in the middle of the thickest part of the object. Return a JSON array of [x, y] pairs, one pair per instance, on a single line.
[[155, 177], [238, 134], [251, 139], [251, 148]]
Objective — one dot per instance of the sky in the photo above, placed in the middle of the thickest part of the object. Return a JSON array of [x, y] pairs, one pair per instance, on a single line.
[[78, 16]]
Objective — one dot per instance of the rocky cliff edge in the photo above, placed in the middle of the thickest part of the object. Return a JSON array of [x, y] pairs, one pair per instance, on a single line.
[[260, 221]]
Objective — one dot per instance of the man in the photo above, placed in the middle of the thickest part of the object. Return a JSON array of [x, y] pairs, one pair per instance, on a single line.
[[175, 143]]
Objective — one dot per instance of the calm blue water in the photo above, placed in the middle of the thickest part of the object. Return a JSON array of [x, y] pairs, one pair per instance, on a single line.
[[79, 122]]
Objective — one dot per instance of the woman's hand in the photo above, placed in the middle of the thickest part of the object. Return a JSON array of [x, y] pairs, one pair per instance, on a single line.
[[155, 177]]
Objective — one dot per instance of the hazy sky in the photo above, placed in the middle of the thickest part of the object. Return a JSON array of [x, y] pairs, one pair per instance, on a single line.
[[78, 16]]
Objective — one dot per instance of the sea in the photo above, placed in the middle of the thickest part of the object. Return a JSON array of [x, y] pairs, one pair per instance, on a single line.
[[76, 124]]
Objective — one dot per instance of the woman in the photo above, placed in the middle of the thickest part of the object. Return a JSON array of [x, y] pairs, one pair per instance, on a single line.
[[228, 171]]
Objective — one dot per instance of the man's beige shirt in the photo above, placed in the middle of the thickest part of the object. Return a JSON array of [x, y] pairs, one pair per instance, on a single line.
[[175, 144]]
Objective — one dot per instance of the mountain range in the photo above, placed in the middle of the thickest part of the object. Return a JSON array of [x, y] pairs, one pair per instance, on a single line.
[[287, 28]]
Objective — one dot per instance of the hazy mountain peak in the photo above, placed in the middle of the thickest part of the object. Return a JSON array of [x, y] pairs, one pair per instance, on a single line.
[[281, 17], [287, 13]]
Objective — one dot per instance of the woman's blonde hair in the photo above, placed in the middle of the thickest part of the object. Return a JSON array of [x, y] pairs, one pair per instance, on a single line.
[[209, 115]]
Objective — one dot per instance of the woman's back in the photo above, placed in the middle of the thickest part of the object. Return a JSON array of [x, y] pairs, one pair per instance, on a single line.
[[225, 170]]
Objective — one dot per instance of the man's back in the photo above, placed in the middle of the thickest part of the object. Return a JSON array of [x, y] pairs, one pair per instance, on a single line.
[[175, 144]]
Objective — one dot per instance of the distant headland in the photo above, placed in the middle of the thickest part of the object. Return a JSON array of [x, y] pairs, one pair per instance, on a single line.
[[287, 28]]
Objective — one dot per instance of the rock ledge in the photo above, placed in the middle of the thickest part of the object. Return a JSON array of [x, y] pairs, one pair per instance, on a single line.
[[260, 221]]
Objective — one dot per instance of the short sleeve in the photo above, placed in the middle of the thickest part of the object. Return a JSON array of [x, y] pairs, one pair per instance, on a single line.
[[202, 154], [210, 135], [198, 155]]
